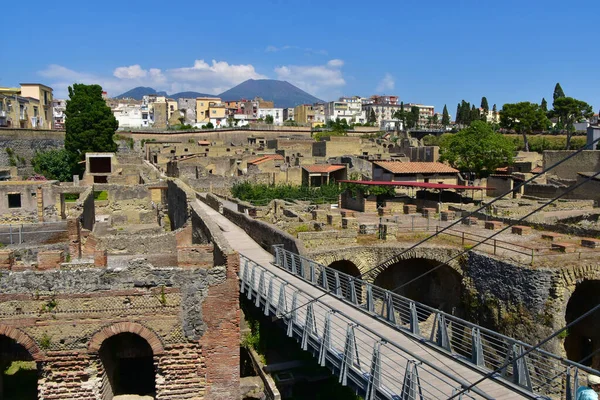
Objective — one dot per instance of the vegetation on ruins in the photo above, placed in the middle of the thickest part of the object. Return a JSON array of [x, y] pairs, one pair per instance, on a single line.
[[477, 149], [524, 118], [90, 124], [54, 164], [262, 194], [269, 120], [570, 111]]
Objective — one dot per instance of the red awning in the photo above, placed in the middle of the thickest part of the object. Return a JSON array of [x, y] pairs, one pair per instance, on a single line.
[[423, 185]]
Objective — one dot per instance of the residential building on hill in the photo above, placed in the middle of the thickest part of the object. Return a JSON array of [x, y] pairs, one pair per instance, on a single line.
[[203, 105], [346, 108], [276, 113], [58, 113], [29, 106]]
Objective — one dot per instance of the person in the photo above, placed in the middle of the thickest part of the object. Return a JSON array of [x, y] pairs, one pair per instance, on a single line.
[[591, 391]]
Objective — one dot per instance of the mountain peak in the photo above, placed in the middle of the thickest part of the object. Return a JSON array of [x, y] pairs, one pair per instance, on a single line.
[[282, 93]]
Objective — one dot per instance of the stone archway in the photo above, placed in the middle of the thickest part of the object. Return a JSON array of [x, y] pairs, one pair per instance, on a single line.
[[582, 343], [347, 267], [18, 366], [126, 327], [127, 352], [441, 288]]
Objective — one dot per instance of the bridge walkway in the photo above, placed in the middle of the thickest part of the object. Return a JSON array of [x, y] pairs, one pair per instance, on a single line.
[[440, 374]]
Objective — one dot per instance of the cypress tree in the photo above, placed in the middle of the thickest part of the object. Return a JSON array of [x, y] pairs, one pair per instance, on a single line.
[[484, 104], [558, 93], [445, 117], [544, 104]]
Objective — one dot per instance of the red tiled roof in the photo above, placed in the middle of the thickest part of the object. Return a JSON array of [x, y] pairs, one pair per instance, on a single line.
[[322, 168], [537, 170], [266, 158], [398, 167]]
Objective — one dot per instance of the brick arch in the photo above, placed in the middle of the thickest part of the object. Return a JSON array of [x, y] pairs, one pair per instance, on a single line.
[[23, 339], [424, 253], [369, 260], [126, 327]]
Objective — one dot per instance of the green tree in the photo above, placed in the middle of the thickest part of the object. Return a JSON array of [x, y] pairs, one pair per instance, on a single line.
[[372, 117], [269, 119], [90, 124], [484, 104], [524, 118], [445, 117], [494, 109], [477, 149], [413, 117], [569, 111], [544, 104], [53, 164], [558, 93]]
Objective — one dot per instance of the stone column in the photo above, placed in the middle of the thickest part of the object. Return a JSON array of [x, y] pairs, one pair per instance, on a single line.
[[40, 203]]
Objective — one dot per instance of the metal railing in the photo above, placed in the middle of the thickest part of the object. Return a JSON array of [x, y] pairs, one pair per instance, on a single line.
[[375, 366], [18, 234], [539, 372]]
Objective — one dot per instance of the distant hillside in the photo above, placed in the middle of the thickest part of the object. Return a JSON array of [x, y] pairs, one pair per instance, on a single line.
[[282, 93], [139, 92], [189, 95]]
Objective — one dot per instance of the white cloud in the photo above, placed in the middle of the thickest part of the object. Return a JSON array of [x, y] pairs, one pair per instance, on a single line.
[[320, 80], [386, 83], [203, 77], [131, 72]]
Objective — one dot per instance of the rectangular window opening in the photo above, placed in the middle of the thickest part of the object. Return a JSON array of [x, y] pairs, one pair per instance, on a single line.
[[14, 200]]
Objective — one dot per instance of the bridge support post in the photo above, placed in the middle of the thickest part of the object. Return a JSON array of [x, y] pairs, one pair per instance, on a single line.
[[414, 318], [375, 373], [281, 301], [309, 326], [520, 371], [244, 276], [252, 281], [348, 358], [352, 287], [293, 319], [261, 288], [411, 385], [324, 282], [571, 388], [325, 340], [338, 285], [313, 275], [293, 266], [370, 304], [476, 347], [269, 298], [390, 313], [439, 333]]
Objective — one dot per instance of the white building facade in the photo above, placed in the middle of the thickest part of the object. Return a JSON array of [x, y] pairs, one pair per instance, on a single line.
[[276, 113]]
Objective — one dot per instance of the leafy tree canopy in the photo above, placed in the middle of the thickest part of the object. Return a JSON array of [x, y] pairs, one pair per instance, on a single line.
[[89, 123], [570, 111], [269, 119], [53, 164], [524, 118], [477, 148]]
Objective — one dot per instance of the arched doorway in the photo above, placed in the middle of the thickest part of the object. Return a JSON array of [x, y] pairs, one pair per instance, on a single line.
[[582, 343], [128, 365], [441, 289], [18, 371], [348, 268]]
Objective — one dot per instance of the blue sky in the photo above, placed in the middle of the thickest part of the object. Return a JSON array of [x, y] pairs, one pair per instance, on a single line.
[[435, 52]]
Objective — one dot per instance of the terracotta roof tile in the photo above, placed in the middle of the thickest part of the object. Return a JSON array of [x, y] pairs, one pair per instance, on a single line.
[[322, 168], [397, 167], [266, 158]]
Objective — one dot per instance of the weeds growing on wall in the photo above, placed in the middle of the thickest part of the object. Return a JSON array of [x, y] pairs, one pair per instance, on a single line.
[[261, 194]]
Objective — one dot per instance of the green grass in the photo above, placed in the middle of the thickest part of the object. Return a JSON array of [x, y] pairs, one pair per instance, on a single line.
[[71, 197], [102, 195]]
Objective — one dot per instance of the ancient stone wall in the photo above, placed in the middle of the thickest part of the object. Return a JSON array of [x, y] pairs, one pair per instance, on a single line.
[[586, 161], [26, 142], [264, 234]]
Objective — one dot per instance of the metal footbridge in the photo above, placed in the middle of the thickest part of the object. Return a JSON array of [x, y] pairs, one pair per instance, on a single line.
[[386, 346]]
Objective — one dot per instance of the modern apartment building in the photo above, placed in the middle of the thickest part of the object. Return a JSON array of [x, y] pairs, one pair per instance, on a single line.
[[347, 108], [276, 113], [43, 94], [58, 113]]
